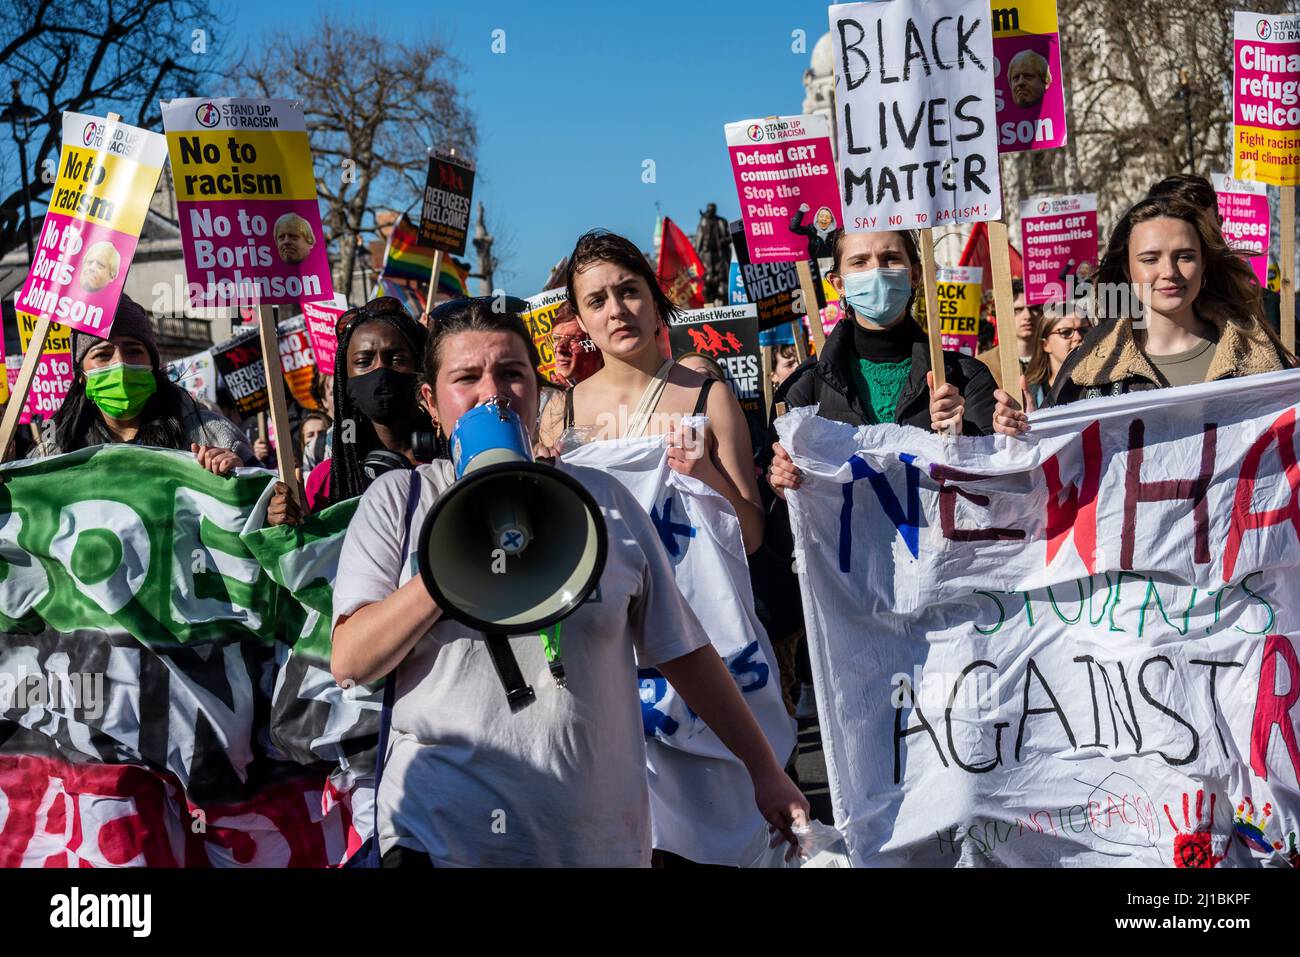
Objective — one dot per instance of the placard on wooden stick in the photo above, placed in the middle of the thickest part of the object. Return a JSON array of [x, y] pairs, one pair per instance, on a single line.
[[275, 390], [433, 286], [768, 366], [1286, 268], [1004, 309], [18, 394], [930, 282], [809, 289]]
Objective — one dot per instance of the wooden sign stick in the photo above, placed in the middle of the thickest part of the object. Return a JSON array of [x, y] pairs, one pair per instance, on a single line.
[[275, 389], [1004, 311], [767, 378], [433, 286], [929, 280], [1286, 268], [810, 299]]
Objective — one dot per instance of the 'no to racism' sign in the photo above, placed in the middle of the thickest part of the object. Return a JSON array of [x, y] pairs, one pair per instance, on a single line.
[[246, 195], [917, 122]]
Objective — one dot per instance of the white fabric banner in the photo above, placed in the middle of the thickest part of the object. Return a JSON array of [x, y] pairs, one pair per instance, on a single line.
[[1074, 649], [701, 798]]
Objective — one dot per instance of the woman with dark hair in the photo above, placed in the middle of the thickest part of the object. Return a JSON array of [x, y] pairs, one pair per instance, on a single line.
[[121, 393], [376, 410], [1199, 303], [624, 311], [566, 775]]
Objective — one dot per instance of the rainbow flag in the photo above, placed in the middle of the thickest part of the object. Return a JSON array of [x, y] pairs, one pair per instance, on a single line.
[[405, 258]]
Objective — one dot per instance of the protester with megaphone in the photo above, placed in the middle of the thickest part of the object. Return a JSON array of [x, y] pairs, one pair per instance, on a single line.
[[376, 374], [468, 781], [121, 393]]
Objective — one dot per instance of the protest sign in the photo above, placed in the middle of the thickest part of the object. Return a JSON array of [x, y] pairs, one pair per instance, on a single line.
[[916, 114], [297, 361], [53, 370], [539, 318], [1265, 109], [960, 291], [220, 727], [701, 803], [1029, 80], [239, 360], [1058, 236], [444, 217], [1083, 648], [107, 174], [735, 285], [322, 325], [246, 196], [197, 375], [785, 178], [1244, 212], [729, 336]]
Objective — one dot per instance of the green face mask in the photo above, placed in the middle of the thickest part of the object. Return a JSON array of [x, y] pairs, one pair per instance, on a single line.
[[120, 390]]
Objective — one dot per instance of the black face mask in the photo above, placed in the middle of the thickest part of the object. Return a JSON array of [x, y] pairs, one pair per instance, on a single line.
[[385, 396]]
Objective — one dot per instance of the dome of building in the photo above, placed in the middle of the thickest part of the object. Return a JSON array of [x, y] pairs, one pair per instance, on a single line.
[[822, 57]]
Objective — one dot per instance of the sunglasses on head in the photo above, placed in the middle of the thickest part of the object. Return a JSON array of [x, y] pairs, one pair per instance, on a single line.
[[374, 309]]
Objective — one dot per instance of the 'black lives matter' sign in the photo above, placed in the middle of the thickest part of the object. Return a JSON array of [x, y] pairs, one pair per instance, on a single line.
[[917, 124], [444, 218]]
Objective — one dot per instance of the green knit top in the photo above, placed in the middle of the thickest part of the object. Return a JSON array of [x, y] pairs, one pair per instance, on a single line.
[[879, 385]]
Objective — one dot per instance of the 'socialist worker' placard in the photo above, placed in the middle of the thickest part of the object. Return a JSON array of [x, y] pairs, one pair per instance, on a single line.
[[917, 121], [960, 289], [246, 195], [107, 174], [785, 178], [539, 319], [444, 218], [1266, 99], [1030, 88]]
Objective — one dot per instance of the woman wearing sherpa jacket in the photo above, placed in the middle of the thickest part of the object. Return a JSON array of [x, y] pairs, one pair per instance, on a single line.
[[1203, 316]]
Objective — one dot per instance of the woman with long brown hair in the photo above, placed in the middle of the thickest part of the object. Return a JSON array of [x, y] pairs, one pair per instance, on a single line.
[[1058, 330], [1179, 307]]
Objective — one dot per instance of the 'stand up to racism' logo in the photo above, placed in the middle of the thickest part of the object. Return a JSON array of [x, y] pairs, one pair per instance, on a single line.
[[208, 115], [90, 133], [1264, 29], [755, 132], [1044, 206]]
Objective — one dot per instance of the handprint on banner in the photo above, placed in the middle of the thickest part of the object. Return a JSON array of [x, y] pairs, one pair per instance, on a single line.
[[1291, 852], [1193, 846], [1250, 828]]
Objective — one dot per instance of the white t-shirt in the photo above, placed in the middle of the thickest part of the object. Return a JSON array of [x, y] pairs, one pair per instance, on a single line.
[[562, 783]]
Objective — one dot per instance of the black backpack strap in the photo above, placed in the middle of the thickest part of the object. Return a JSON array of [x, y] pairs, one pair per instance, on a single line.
[[568, 408], [702, 400], [390, 680]]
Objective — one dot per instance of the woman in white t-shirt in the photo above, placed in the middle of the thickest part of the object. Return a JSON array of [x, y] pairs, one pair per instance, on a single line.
[[561, 783]]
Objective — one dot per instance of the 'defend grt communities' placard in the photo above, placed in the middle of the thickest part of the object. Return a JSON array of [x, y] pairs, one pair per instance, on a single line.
[[1243, 209], [1058, 235], [1266, 99], [107, 174], [1029, 79], [785, 179], [246, 195], [917, 113]]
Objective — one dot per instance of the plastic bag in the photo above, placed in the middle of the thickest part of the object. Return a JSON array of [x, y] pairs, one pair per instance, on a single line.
[[819, 846]]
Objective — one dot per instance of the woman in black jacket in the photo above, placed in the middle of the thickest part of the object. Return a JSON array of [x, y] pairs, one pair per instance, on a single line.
[[876, 367]]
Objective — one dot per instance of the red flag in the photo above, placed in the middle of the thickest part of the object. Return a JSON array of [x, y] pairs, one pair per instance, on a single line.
[[976, 253], [681, 274]]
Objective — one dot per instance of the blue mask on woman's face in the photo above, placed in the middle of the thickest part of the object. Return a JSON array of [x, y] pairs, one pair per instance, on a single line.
[[879, 296]]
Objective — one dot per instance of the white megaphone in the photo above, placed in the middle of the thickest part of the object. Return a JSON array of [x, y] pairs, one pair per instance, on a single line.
[[512, 547]]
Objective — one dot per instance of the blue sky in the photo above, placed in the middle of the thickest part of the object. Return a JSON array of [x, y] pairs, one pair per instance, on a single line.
[[586, 92]]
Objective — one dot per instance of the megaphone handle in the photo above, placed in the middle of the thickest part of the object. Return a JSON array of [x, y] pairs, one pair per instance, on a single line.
[[518, 692]]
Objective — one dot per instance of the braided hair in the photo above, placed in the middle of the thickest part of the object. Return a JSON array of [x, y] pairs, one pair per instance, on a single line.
[[347, 479]]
